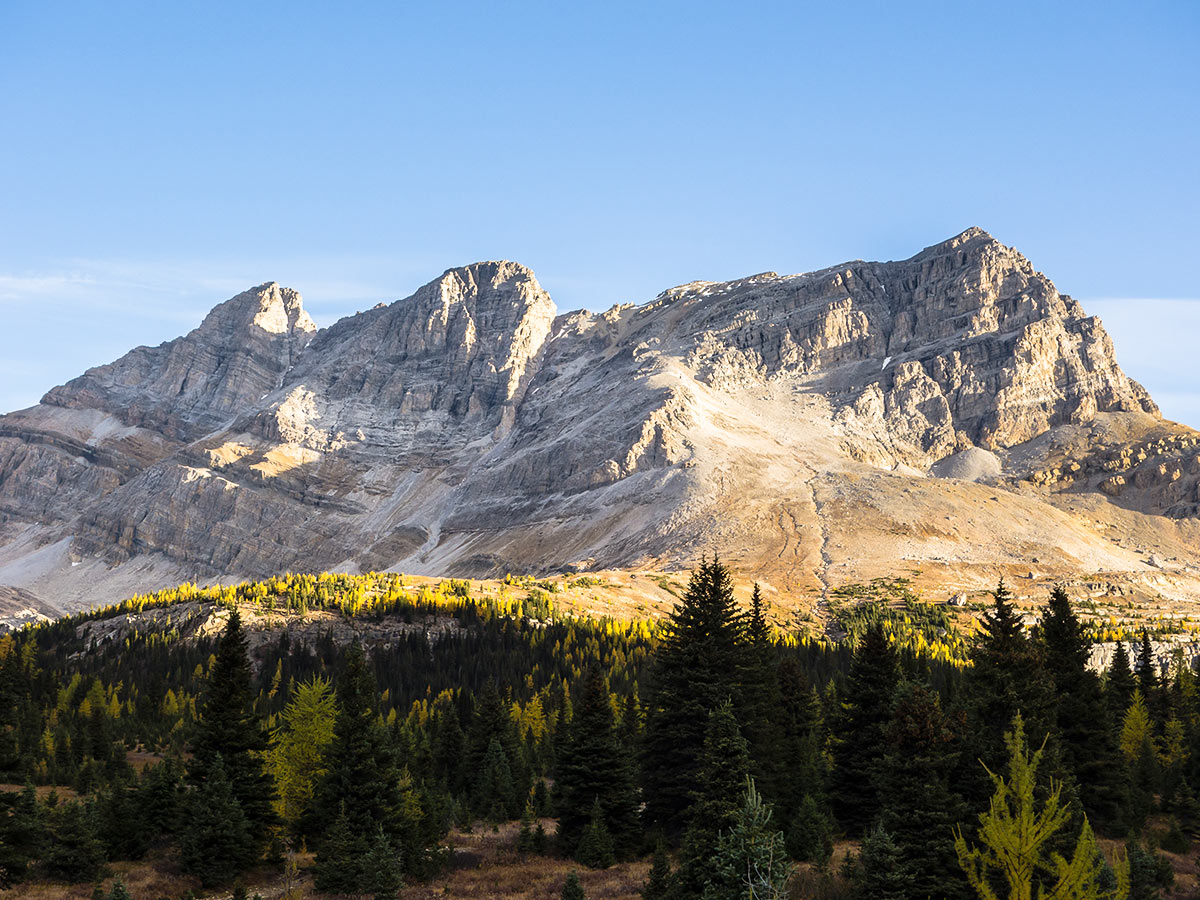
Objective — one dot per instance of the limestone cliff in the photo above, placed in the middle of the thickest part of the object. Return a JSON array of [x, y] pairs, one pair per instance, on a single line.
[[813, 428]]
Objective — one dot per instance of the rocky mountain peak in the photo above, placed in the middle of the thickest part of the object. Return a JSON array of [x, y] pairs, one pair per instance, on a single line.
[[269, 307], [467, 430]]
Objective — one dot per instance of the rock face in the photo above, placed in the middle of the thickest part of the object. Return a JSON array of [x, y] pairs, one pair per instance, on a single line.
[[786, 422]]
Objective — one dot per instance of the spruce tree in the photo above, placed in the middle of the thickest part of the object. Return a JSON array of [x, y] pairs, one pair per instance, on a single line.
[[363, 784], [495, 797], [1150, 684], [859, 730], [215, 840], [724, 766], [230, 728], [751, 858], [593, 768], [73, 850], [759, 713], [659, 881], [1007, 677], [572, 889], [1120, 684], [595, 846], [919, 805], [22, 834], [881, 873], [699, 664], [1087, 735], [803, 803], [382, 874]]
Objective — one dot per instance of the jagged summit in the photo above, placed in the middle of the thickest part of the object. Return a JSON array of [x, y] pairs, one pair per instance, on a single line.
[[951, 412]]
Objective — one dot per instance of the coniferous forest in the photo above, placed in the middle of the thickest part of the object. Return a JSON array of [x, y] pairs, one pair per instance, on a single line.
[[737, 761]]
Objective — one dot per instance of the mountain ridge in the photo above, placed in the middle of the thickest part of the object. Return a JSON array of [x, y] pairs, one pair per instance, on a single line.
[[473, 429]]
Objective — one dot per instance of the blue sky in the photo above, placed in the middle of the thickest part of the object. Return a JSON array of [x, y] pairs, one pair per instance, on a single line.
[[157, 158]]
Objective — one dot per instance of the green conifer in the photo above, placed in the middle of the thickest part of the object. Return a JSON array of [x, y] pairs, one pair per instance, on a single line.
[[595, 847], [700, 663], [660, 880], [230, 728], [572, 889], [593, 769], [859, 730], [215, 841]]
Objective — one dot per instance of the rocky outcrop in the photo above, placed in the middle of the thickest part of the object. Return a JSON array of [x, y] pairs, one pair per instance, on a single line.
[[469, 429]]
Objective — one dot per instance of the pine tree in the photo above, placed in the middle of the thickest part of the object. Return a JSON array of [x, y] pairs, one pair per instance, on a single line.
[[699, 664], [859, 739], [595, 847], [724, 766], [1140, 752], [659, 881], [1016, 836], [594, 769], [919, 806], [572, 889], [230, 728], [215, 841], [751, 859], [118, 891], [1086, 733]]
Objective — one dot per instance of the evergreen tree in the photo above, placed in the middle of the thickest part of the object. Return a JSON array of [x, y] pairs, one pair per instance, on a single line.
[[724, 766], [919, 806], [526, 842], [118, 891], [382, 873], [1085, 731], [880, 873], [699, 664], [230, 728], [660, 880], [363, 783], [74, 851], [1017, 836], [572, 889], [22, 834], [1149, 682], [342, 859], [595, 847], [1007, 677], [495, 796], [761, 702], [859, 730], [1119, 684], [751, 859], [803, 802], [215, 842], [594, 769]]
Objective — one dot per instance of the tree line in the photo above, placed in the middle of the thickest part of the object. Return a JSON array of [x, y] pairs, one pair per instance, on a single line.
[[751, 752]]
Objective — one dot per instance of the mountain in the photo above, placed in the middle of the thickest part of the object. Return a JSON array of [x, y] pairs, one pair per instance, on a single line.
[[950, 414]]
